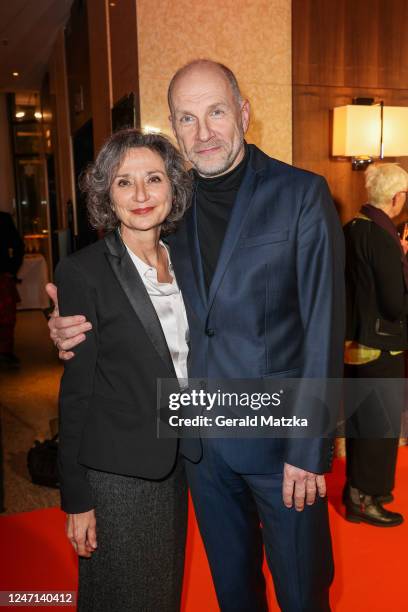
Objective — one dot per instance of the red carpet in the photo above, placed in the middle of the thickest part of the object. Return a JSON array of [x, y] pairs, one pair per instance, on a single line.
[[371, 563]]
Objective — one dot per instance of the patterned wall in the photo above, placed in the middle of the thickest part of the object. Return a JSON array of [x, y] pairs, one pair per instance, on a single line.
[[252, 37]]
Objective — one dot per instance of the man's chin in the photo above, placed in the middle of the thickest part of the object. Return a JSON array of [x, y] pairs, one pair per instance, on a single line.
[[211, 169]]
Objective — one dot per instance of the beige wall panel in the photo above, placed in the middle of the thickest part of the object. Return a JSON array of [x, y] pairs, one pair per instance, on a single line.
[[252, 38], [271, 121], [6, 162]]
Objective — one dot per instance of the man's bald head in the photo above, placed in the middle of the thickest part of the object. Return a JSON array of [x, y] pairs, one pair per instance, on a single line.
[[208, 116], [205, 65]]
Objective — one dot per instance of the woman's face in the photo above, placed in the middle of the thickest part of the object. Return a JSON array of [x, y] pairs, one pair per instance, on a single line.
[[141, 190]]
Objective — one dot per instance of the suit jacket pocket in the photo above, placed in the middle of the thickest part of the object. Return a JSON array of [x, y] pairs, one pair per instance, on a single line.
[[293, 373], [121, 437], [110, 424], [269, 238]]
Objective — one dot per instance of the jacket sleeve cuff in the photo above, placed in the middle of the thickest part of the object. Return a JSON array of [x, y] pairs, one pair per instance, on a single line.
[[313, 455], [76, 493]]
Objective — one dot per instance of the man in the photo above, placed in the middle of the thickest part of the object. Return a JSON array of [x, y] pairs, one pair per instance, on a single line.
[[259, 258]]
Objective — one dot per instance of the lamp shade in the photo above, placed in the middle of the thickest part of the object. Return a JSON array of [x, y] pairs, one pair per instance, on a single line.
[[356, 130], [395, 131]]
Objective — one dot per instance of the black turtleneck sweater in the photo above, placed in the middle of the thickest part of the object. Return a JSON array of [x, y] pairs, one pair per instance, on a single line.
[[215, 198]]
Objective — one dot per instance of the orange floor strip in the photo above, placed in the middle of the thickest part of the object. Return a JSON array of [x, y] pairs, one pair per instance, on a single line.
[[371, 563]]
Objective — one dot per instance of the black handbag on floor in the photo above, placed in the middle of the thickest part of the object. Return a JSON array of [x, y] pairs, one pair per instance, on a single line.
[[42, 463]]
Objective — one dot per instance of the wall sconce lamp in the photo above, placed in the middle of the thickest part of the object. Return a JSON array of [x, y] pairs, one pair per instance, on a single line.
[[364, 131]]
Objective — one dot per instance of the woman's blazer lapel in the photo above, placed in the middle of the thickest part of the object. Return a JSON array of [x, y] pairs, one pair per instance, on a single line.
[[135, 290]]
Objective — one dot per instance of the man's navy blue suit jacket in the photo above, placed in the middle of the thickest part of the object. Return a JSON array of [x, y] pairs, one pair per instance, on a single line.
[[275, 306]]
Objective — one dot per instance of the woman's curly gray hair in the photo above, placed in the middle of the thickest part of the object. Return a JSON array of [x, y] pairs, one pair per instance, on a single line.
[[96, 181]]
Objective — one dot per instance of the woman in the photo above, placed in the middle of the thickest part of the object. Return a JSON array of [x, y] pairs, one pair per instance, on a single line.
[[377, 285], [123, 488]]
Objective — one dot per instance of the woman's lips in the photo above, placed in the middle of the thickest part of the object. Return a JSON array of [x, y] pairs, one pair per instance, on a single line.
[[142, 211]]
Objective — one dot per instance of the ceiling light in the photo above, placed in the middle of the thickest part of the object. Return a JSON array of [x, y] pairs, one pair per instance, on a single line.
[[38, 115], [20, 114], [16, 74]]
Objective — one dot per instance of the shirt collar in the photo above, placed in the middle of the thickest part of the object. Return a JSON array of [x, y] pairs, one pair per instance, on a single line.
[[146, 271]]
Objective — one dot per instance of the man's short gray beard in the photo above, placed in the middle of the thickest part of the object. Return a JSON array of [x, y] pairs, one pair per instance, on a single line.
[[222, 169]]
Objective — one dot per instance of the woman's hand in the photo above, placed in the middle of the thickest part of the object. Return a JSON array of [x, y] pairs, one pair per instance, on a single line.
[[81, 532]]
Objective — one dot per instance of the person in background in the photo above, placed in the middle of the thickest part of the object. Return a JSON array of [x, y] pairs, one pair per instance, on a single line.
[[376, 337], [11, 258], [123, 489]]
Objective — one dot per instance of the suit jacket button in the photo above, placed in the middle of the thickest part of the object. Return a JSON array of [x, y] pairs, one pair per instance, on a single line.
[[209, 332]]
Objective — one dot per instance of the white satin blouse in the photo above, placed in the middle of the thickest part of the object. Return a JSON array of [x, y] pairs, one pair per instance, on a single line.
[[168, 303]]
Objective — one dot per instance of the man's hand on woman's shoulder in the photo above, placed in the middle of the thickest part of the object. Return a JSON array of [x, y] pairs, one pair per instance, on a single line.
[[65, 332]]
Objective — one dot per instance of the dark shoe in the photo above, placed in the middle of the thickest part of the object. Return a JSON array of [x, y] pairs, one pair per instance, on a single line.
[[367, 509]]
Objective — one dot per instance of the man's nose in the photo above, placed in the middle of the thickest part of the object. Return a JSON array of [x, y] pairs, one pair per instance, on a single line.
[[204, 131]]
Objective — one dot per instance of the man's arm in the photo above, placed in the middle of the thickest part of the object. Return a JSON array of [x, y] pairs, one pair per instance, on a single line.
[[65, 332], [320, 272]]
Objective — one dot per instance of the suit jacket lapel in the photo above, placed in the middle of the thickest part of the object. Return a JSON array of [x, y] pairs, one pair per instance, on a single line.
[[135, 290], [238, 216], [183, 254]]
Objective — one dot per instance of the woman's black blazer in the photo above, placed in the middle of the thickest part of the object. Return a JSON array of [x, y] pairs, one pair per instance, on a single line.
[[108, 393]]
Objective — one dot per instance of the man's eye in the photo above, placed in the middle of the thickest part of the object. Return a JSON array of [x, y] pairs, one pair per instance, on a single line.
[[217, 112], [186, 119]]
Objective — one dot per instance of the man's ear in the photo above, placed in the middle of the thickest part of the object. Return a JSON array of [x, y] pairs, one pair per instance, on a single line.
[[245, 115], [395, 200], [172, 125]]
